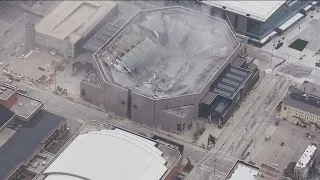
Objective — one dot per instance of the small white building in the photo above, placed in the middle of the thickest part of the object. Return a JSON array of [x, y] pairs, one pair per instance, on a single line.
[[242, 170], [301, 170]]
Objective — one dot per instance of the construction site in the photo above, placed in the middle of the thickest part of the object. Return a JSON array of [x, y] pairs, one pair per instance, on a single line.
[[159, 66]]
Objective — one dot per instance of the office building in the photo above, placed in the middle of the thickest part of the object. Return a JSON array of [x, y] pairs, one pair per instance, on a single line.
[[301, 170], [259, 20]]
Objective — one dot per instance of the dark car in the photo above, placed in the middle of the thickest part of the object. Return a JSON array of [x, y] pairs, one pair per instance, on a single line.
[[282, 144], [6, 32]]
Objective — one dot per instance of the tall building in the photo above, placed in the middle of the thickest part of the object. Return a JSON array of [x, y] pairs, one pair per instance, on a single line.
[[301, 170], [259, 20]]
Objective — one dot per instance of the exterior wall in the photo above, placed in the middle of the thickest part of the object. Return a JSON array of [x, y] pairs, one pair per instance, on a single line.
[[174, 171], [55, 135], [242, 24], [168, 122], [142, 109], [145, 110], [116, 99], [293, 114], [10, 101], [92, 93], [300, 173], [7, 123], [231, 17], [303, 173]]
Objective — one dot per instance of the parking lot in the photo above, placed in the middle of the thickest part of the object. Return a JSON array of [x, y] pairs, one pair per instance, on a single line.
[[273, 154]]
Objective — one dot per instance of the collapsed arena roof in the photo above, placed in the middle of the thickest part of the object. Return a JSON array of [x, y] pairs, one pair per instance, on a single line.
[[167, 52]]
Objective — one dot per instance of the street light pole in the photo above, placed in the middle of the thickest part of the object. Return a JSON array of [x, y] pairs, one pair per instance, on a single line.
[[271, 57], [6, 59], [55, 79]]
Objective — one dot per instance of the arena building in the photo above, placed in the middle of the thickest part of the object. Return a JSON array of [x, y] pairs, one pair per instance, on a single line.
[[115, 153], [158, 67], [259, 20], [72, 23]]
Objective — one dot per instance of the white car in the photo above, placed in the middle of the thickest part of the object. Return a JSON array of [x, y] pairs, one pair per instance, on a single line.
[[53, 53]]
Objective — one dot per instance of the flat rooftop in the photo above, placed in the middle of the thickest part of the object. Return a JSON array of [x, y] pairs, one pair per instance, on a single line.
[[39, 162], [26, 106], [167, 52], [103, 36], [74, 19], [90, 133], [26, 141], [242, 171], [258, 10], [311, 88], [306, 156], [230, 83], [5, 92]]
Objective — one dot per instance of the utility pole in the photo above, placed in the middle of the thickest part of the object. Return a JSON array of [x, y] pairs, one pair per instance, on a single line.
[[271, 57], [55, 79], [6, 59]]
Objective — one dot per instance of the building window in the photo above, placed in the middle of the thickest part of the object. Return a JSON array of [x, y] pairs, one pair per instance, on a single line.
[[83, 92], [178, 127], [236, 21], [285, 108], [253, 28], [122, 102], [135, 107]]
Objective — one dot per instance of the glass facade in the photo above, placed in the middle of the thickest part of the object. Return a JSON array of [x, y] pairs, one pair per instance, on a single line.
[[259, 30]]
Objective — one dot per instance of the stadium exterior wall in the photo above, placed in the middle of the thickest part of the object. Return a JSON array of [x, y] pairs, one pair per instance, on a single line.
[[142, 109], [147, 110], [116, 99], [169, 121], [91, 93]]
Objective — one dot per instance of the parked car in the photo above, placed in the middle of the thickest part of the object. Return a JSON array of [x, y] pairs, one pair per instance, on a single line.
[[282, 144]]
